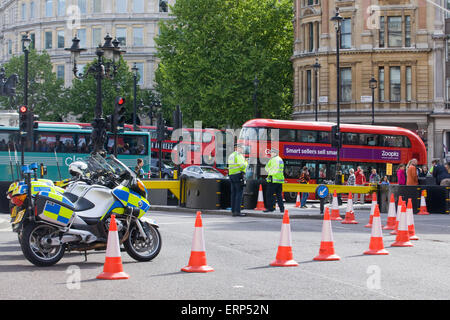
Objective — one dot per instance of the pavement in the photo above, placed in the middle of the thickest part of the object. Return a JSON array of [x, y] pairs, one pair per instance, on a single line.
[[311, 212]]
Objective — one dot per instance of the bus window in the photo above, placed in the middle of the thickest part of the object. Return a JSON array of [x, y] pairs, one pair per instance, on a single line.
[[308, 136], [248, 134], [407, 142], [292, 171], [323, 137], [287, 135], [311, 169], [391, 141], [50, 141], [128, 144], [8, 139], [84, 143], [368, 139], [350, 138], [207, 137], [322, 171]]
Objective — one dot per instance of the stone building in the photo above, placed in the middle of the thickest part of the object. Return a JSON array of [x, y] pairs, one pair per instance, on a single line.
[[401, 43]]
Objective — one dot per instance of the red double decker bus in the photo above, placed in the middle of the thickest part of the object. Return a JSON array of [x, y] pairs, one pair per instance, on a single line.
[[309, 144]]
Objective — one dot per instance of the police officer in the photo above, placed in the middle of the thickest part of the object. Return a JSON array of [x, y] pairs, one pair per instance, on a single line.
[[237, 166], [275, 180]]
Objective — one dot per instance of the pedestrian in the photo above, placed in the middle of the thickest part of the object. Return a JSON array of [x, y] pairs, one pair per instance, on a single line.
[[351, 181], [138, 168], [275, 180], [424, 172], [304, 179], [411, 173], [237, 166], [445, 176], [374, 177], [439, 172], [385, 180], [360, 181], [401, 174]]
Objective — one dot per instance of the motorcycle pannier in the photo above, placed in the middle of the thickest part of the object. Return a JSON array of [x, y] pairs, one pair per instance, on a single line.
[[54, 208]]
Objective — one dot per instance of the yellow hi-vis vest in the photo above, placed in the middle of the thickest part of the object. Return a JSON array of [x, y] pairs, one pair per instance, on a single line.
[[275, 170], [236, 163]]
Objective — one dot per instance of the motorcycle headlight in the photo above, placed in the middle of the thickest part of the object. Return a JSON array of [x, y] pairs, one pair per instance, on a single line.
[[18, 200], [141, 187]]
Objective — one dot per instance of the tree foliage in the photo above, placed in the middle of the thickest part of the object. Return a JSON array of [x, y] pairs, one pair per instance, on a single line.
[[212, 50]]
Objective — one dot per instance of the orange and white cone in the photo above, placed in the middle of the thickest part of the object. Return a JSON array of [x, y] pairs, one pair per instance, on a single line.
[[410, 221], [297, 201], [335, 214], [284, 254], [372, 210], [423, 205], [197, 261], [326, 251], [349, 214], [376, 246], [391, 218], [402, 239], [399, 210], [260, 202], [112, 268]]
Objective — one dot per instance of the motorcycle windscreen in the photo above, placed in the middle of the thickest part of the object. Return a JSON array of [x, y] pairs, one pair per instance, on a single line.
[[129, 198], [54, 208]]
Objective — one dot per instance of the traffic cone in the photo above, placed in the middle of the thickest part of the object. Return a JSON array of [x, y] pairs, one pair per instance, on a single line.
[[372, 210], [399, 210], [326, 251], [410, 221], [112, 268], [260, 202], [335, 215], [402, 239], [297, 201], [376, 245], [391, 218], [197, 261], [349, 214], [423, 206], [284, 254]]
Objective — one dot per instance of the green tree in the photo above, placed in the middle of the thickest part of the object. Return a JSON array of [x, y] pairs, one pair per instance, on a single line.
[[46, 93], [212, 50]]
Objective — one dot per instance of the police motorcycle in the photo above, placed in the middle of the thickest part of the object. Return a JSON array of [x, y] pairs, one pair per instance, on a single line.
[[78, 219]]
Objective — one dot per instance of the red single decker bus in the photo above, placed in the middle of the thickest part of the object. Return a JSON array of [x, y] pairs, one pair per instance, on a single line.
[[309, 144]]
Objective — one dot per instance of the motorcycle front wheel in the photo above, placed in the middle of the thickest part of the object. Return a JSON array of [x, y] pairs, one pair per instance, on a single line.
[[36, 249], [142, 249]]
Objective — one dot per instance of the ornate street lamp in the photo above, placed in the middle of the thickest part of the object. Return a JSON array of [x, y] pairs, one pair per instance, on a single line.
[[135, 71], [316, 67], [373, 86]]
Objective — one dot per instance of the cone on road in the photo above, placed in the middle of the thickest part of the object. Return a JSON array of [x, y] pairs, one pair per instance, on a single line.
[[260, 202], [399, 210], [112, 268], [297, 201], [326, 251], [402, 239], [335, 214], [423, 206], [372, 210], [284, 254], [197, 261], [410, 221], [349, 214], [376, 246], [391, 218]]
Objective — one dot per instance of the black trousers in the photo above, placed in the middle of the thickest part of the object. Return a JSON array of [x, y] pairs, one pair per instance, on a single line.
[[237, 190], [276, 188]]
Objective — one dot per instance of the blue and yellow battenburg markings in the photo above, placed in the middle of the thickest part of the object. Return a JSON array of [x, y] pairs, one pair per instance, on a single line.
[[55, 211], [127, 197]]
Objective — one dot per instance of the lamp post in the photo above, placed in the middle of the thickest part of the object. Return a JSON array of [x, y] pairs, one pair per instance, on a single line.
[[337, 19], [135, 75], [26, 42], [373, 86], [101, 69], [255, 97], [316, 67]]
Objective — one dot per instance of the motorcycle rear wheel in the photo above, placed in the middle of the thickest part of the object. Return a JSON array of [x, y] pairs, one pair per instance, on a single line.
[[143, 249], [34, 247]]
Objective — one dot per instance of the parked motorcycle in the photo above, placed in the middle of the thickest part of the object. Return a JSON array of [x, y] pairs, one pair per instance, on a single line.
[[78, 219]]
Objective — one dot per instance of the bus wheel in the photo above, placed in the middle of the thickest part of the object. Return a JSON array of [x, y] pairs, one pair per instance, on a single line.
[[290, 196]]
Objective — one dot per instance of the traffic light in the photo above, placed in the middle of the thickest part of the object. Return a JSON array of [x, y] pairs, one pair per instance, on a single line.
[[336, 140], [177, 118], [23, 120], [119, 114], [160, 128]]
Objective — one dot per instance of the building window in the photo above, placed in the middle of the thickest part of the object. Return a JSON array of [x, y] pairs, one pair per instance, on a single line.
[[48, 8], [60, 72], [308, 87], [346, 33], [48, 40], [408, 84], [140, 66], [121, 35], [81, 34], [33, 41], [96, 37], [138, 6], [60, 35], [381, 32], [395, 83], [311, 37], [407, 31], [82, 6], [163, 6], [9, 46], [32, 10], [121, 6], [24, 11], [97, 6], [381, 84], [61, 8], [346, 84], [138, 37], [395, 31]]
